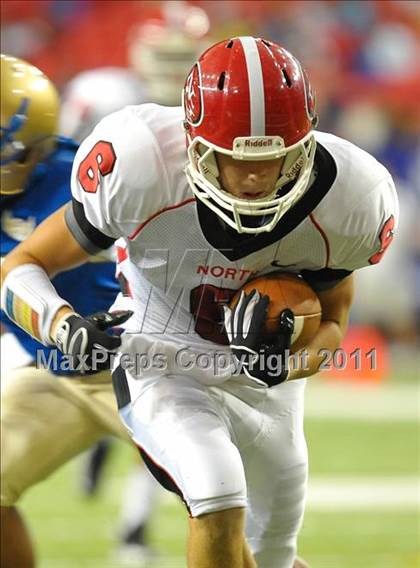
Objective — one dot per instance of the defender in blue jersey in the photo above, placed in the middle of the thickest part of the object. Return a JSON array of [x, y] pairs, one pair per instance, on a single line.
[[92, 287], [46, 419]]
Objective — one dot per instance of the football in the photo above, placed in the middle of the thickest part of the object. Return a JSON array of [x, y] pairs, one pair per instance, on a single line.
[[287, 290]]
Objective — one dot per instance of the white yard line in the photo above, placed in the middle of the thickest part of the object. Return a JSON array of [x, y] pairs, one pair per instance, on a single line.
[[363, 493], [328, 400]]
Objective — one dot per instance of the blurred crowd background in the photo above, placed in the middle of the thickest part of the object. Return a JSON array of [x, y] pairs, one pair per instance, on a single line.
[[363, 58]]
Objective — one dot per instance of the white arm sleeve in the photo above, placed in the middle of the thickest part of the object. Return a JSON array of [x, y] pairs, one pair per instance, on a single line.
[[31, 301]]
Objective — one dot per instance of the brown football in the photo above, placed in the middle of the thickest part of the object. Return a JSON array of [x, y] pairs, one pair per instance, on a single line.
[[287, 290]]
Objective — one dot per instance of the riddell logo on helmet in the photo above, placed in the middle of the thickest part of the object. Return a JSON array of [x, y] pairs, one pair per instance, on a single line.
[[295, 169], [258, 143], [270, 146]]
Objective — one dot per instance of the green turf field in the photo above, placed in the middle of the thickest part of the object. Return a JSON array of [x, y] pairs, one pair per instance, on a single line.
[[362, 510]]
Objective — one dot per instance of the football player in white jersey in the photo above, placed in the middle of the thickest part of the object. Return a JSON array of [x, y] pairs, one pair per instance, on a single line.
[[254, 189]]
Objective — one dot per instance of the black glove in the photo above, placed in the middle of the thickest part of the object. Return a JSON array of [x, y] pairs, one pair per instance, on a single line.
[[85, 342], [260, 355]]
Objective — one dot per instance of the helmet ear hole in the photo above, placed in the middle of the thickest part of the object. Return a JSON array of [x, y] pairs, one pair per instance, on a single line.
[[286, 78]]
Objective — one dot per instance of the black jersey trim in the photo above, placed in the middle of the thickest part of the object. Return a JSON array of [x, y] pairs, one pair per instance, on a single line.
[[88, 236], [234, 245], [324, 279]]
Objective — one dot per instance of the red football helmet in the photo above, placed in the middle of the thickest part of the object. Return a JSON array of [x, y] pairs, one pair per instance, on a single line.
[[250, 99]]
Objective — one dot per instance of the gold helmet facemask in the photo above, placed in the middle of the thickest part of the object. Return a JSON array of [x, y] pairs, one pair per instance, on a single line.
[[29, 121]]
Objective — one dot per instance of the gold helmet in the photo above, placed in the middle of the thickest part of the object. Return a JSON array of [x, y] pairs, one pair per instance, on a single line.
[[29, 121]]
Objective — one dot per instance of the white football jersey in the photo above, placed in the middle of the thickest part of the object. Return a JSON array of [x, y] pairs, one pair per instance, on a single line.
[[177, 259]]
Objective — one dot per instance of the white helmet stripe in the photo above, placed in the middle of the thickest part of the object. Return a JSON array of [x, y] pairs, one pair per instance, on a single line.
[[256, 85]]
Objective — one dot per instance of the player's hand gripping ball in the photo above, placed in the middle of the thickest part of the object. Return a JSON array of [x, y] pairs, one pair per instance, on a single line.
[[268, 319], [259, 355]]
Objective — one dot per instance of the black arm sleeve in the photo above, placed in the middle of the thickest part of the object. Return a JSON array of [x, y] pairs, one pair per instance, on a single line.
[[320, 280], [88, 236]]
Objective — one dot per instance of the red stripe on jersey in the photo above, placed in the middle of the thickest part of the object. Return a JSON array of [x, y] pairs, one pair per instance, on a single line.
[[140, 227], [325, 238]]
